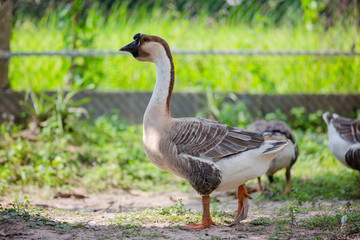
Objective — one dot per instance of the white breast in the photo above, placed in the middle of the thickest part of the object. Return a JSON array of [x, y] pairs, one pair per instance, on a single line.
[[241, 168], [283, 160], [338, 146]]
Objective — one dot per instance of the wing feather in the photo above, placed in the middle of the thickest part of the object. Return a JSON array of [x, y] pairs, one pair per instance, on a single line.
[[352, 158], [211, 139], [349, 129]]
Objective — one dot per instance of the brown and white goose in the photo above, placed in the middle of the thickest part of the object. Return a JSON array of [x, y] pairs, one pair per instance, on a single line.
[[210, 155], [344, 139], [278, 130]]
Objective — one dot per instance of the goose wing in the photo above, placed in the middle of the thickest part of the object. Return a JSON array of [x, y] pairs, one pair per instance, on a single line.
[[352, 158], [349, 129], [212, 140]]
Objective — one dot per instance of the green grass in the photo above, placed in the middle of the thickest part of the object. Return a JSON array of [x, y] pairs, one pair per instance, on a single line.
[[345, 219], [98, 155], [173, 215], [106, 153], [256, 74]]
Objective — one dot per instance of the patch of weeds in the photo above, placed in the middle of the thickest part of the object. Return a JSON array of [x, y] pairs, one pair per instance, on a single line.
[[281, 230], [284, 226], [174, 215], [131, 230], [299, 196], [215, 238], [319, 237], [22, 211], [346, 221], [243, 228], [250, 227], [292, 210], [323, 220], [63, 226], [220, 215], [154, 235], [265, 221], [178, 208]]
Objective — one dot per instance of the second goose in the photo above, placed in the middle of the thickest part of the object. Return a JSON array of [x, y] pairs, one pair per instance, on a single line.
[[278, 130]]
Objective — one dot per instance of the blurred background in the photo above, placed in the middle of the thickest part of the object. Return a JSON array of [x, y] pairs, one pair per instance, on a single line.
[[260, 46]]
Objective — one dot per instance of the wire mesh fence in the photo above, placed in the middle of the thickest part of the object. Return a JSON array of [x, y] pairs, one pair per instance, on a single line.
[[132, 105], [94, 53]]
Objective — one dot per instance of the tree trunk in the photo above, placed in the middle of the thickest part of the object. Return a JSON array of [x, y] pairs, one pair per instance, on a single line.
[[6, 7]]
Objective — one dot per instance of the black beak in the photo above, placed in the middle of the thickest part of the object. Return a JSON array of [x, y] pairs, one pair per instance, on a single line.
[[133, 46]]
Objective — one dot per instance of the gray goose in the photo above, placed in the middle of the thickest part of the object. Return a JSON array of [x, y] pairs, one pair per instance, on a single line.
[[344, 139], [278, 130], [210, 155]]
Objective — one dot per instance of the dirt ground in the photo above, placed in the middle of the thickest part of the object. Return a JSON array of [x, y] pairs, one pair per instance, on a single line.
[[97, 210]]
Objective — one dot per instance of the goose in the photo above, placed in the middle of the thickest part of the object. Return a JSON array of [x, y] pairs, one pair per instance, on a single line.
[[210, 155], [344, 139], [278, 130]]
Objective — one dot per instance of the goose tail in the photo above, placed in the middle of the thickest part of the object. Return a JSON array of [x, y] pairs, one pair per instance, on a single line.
[[275, 147]]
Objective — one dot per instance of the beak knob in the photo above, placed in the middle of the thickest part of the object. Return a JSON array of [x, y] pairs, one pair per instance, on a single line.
[[133, 47]]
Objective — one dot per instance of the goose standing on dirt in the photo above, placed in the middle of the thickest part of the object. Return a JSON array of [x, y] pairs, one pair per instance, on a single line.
[[344, 139], [208, 154], [278, 130]]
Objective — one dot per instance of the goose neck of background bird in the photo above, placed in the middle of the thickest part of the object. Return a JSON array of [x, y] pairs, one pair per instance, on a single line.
[[159, 105]]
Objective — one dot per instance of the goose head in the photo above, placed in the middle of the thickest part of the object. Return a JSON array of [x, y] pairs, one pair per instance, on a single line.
[[147, 48], [328, 117]]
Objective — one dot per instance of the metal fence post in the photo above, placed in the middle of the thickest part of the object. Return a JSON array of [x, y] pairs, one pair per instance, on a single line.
[[6, 7]]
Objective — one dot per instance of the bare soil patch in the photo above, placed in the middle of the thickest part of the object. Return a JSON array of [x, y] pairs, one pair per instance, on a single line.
[[95, 214]]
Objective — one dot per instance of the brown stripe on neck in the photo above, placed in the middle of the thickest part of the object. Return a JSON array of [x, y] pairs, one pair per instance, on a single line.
[[172, 74]]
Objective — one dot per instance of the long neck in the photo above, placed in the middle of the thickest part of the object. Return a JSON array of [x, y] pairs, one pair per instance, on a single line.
[[159, 105]]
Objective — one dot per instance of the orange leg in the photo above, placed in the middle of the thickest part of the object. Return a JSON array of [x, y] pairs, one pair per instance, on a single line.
[[260, 189], [288, 181], [206, 218], [243, 205]]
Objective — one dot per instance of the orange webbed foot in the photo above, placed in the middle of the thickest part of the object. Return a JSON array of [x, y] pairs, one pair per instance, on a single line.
[[206, 218], [196, 225], [243, 205]]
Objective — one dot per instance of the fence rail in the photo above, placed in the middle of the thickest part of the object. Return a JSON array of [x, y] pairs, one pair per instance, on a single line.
[[132, 105], [92, 53]]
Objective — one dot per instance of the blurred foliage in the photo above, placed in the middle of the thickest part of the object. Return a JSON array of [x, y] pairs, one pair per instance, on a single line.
[[98, 154], [227, 108], [100, 28], [266, 11], [55, 113], [78, 33]]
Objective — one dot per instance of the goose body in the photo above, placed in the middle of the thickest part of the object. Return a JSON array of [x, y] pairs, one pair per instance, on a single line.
[[344, 139], [278, 130], [210, 155]]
